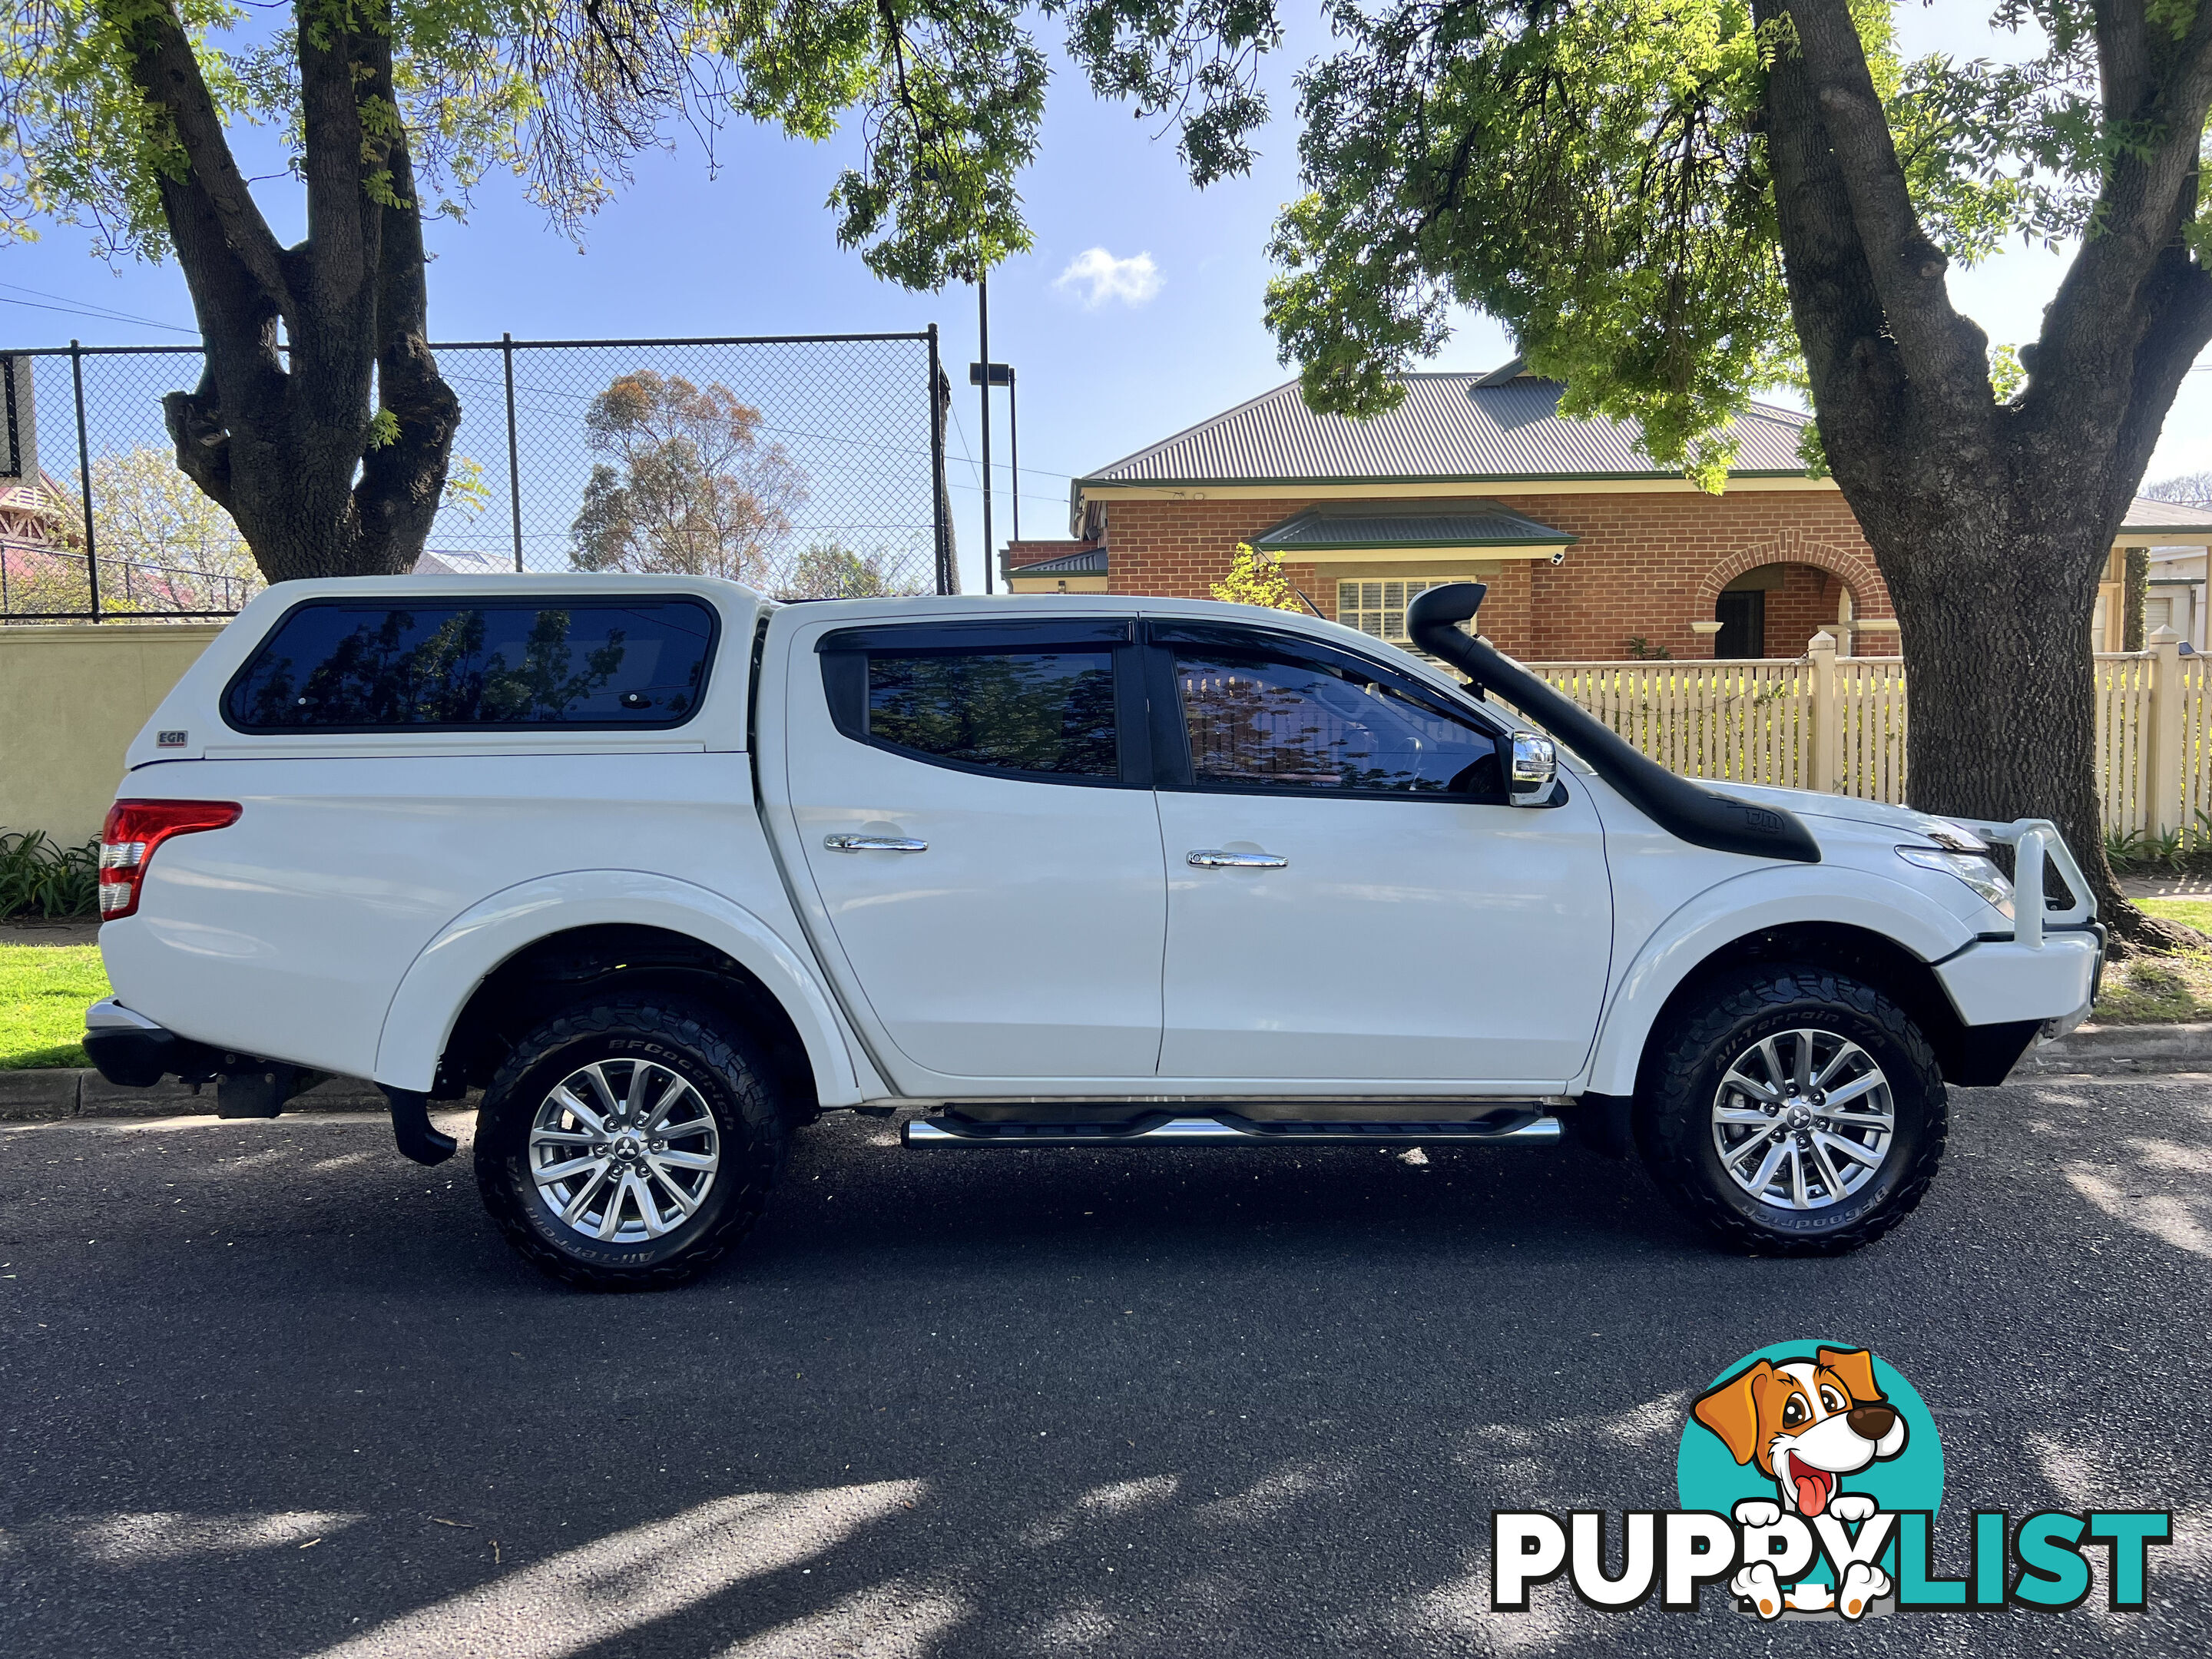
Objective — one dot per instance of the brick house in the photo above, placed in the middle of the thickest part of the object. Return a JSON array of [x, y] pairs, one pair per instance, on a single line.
[[1587, 546]]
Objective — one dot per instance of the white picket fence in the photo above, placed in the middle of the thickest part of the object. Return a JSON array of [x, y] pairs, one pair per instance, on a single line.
[[1838, 725]]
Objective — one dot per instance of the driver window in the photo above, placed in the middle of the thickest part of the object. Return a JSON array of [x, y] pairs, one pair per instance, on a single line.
[[1273, 720]]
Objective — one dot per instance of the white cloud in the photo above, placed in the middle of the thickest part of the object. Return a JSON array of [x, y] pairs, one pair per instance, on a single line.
[[1096, 276]]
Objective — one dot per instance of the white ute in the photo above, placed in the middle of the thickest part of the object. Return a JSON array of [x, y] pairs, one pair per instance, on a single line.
[[668, 870]]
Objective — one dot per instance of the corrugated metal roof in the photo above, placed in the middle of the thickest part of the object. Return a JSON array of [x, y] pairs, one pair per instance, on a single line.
[[2148, 514], [1423, 524], [1451, 427], [1090, 561]]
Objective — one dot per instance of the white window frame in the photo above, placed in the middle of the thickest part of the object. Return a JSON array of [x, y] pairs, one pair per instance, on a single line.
[[1374, 619]]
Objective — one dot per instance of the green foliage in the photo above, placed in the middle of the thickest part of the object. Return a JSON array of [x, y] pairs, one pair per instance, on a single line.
[[1594, 173], [1255, 577], [561, 95], [2007, 374], [827, 571], [1640, 649], [2134, 852], [690, 485], [1586, 174], [2145, 990], [182, 550], [950, 110], [466, 491], [38, 877], [1200, 61]]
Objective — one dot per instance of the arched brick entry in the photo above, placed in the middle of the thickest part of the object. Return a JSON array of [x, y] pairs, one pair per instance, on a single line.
[[1803, 599], [1870, 597]]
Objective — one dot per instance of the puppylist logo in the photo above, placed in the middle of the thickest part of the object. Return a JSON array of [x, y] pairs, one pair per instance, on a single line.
[[1809, 1476]]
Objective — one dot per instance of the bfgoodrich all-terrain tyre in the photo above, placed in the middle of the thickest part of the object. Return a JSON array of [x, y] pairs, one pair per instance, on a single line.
[[1793, 1110], [628, 1145]]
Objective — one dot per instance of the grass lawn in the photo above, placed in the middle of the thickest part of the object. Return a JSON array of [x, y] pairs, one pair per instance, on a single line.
[[2154, 990], [43, 990]]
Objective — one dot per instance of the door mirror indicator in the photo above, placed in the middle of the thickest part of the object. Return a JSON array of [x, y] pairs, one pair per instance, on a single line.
[[1535, 767]]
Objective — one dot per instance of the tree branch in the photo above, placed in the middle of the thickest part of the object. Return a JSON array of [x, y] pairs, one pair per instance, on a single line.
[[2149, 196], [1859, 384], [167, 76], [340, 232], [1936, 344], [2177, 326], [2123, 53], [202, 441], [401, 483]]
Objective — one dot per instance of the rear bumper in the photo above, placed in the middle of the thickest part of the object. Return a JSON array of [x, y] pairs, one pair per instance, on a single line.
[[132, 1052]]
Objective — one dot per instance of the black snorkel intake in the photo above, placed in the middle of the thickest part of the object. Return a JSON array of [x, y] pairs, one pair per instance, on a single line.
[[1688, 811]]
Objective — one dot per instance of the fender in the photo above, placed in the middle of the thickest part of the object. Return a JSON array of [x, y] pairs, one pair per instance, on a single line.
[[1774, 896], [440, 982]]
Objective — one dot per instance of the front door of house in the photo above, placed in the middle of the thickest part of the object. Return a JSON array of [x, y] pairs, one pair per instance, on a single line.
[[1741, 613], [1349, 898]]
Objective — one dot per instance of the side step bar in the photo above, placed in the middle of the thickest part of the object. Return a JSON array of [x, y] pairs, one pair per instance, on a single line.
[[1519, 1127]]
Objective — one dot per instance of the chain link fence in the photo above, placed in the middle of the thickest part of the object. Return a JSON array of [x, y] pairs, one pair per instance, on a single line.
[[808, 467]]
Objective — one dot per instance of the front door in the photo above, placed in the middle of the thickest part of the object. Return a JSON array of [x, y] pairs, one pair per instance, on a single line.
[[973, 802], [1741, 613], [1349, 898]]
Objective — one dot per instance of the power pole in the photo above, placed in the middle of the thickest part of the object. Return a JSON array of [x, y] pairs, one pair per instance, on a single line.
[[983, 330], [1014, 448]]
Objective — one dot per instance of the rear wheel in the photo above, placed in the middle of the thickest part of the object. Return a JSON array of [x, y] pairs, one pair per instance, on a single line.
[[1794, 1110], [628, 1145]]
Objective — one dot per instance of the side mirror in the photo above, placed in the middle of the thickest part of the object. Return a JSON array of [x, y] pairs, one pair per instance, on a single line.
[[1535, 766]]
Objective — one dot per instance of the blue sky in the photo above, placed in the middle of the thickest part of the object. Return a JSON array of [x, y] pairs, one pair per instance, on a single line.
[[752, 252]]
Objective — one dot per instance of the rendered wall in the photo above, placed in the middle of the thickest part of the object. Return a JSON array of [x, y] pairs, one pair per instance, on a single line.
[[72, 695]]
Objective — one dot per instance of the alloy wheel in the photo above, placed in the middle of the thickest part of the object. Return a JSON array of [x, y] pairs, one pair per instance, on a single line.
[[1803, 1119], [623, 1151]]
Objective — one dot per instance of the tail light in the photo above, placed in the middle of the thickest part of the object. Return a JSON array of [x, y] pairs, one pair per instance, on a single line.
[[134, 830]]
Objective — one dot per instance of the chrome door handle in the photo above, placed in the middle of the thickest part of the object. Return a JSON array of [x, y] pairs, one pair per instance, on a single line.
[[873, 844], [1212, 857]]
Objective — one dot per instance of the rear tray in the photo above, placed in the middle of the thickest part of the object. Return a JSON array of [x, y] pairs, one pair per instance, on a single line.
[[1519, 1125]]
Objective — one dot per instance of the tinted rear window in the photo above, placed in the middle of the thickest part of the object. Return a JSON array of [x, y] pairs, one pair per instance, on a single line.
[[1015, 711], [348, 666]]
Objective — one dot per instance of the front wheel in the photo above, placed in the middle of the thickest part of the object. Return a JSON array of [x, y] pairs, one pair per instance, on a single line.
[[628, 1145], [1794, 1111]]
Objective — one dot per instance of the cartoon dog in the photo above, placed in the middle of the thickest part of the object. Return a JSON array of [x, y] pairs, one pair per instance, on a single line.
[[1805, 1424]]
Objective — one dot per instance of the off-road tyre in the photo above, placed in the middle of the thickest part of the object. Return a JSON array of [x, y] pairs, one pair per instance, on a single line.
[[1673, 1116], [689, 1038]]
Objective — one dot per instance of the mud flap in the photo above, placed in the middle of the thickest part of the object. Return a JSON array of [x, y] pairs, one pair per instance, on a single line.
[[410, 1127]]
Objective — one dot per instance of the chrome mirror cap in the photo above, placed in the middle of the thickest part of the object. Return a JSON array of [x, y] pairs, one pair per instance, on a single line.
[[1535, 766]]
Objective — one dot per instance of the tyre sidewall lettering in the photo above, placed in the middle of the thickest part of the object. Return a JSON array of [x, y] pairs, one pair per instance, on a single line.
[[1736, 1013], [744, 1125]]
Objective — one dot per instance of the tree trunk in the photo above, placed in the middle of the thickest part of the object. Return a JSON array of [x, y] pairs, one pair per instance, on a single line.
[[1996, 638], [320, 422], [1992, 522], [2134, 593], [1995, 626]]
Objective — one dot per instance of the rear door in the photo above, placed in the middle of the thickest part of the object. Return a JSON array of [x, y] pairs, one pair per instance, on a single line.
[[1349, 899], [973, 803]]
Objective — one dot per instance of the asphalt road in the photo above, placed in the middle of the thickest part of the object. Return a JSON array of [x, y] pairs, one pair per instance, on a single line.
[[271, 1390]]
